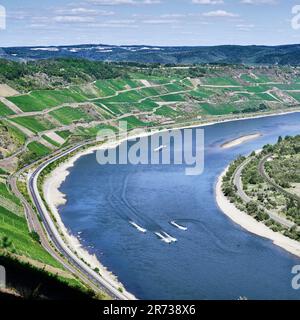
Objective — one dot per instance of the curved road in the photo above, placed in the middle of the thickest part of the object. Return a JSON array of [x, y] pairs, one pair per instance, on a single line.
[[237, 180], [54, 236]]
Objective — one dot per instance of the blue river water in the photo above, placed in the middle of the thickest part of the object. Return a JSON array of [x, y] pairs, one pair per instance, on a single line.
[[213, 259]]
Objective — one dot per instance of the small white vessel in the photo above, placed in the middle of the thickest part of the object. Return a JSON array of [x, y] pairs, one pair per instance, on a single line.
[[170, 237], [165, 239], [173, 223], [139, 228], [160, 148]]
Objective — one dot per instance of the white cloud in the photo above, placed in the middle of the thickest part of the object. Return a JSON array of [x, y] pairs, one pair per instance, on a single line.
[[160, 21], [259, 1], [121, 21], [173, 15], [84, 11], [124, 2], [220, 13], [110, 25], [208, 1], [245, 27], [72, 19]]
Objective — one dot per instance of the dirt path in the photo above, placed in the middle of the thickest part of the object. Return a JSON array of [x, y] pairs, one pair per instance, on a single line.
[[7, 91], [11, 105]]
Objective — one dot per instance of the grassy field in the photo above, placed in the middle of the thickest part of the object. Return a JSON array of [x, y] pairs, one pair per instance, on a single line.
[[43, 99], [213, 109], [257, 79], [221, 81], [173, 97], [18, 136], [15, 229], [53, 98], [34, 124], [64, 134], [201, 93], [167, 112], [4, 110], [38, 149], [67, 115], [128, 97], [122, 84], [95, 131], [175, 87], [134, 122], [258, 88], [28, 103], [54, 143], [4, 192], [104, 89]]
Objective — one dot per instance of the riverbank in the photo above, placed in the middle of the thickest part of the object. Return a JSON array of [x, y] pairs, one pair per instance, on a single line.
[[250, 224], [240, 140], [233, 119]]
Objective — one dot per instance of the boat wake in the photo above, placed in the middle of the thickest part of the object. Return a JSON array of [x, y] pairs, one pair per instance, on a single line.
[[165, 237], [180, 227], [139, 228]]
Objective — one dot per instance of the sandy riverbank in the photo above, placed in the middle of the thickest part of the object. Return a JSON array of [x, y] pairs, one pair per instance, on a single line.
[[240, 140], [250, 224], [238, 118]]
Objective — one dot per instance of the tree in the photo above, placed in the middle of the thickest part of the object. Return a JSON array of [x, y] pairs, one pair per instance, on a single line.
[[5, 242], [34, 235], [252, 207]]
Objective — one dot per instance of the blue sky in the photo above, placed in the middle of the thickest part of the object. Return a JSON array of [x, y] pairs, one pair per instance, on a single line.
[[152, 22]]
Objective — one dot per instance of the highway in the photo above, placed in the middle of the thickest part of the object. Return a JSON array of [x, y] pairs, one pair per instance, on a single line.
[[54, 236], [50, 237], [237, 180]]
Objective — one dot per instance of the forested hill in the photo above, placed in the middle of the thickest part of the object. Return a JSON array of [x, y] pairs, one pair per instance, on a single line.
[[270, 55]]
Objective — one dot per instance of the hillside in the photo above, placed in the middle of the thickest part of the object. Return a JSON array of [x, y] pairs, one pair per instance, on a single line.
[[230, 54], [48, 104]]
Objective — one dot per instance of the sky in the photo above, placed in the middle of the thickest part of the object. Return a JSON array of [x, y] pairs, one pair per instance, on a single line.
[[148, 22]]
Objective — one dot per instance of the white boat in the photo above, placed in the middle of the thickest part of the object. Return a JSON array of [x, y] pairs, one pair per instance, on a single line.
[[165, 239], [159, 148], [170, 237], [139, 228], [173, 223]]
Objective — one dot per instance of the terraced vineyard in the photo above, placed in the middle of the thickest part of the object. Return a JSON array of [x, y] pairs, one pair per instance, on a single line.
[[154, 97]]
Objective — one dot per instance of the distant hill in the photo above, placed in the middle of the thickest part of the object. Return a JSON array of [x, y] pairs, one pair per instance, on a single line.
[[232, 54]]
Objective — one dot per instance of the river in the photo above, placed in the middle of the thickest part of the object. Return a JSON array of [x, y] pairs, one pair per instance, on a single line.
[[213, 259]]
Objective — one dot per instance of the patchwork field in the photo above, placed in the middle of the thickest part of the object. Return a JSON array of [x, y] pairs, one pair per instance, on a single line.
[[67, 115], [150, 97]]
